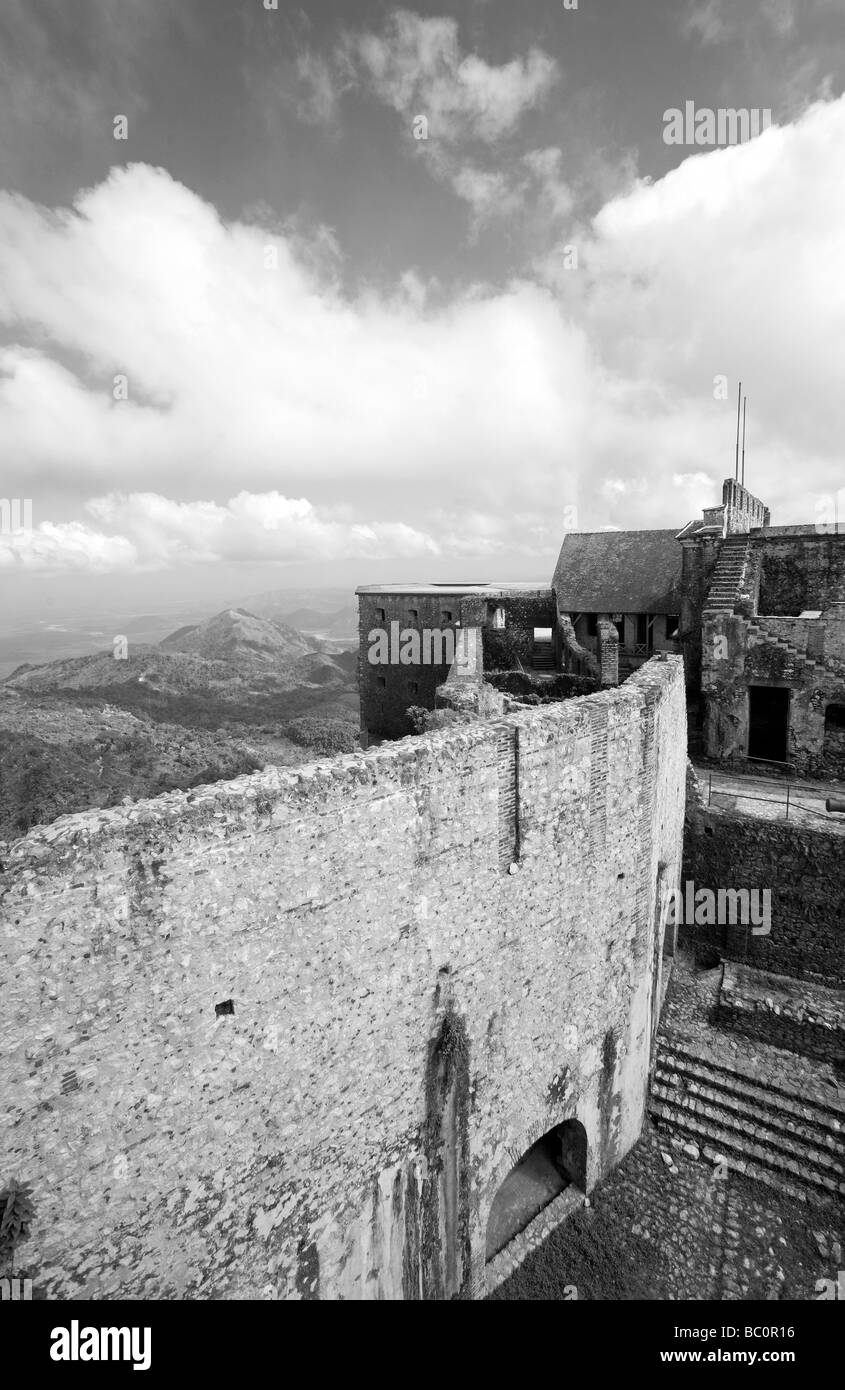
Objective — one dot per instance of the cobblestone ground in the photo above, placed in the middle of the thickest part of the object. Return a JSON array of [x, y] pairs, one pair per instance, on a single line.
[[654, 1233], [658, 1229]]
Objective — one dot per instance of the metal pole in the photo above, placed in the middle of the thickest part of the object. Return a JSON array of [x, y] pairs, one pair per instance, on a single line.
[[787, 801], [744, 399], [738, 402]]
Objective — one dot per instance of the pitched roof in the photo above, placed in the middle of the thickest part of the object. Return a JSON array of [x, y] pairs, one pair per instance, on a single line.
[[619, 572]]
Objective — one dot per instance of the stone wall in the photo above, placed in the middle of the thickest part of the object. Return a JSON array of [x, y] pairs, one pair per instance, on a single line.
[[608, 652], [802, 868], [388, 690], [801, 572], [285, 1036], [804, 655], [743, 511], [793, 1015]]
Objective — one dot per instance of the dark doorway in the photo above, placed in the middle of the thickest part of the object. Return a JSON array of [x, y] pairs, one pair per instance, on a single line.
[[555, 1162], [768, 722]]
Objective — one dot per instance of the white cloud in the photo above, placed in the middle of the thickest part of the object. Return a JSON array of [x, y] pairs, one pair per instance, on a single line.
[[416, 66], [501, 402], [317, 90], [145, 531]]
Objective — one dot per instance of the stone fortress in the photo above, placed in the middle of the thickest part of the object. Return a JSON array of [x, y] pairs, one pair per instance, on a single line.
[[349, 1031], [758, 612]]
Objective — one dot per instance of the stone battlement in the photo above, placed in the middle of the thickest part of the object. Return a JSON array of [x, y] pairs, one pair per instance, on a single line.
[[290, 1030]]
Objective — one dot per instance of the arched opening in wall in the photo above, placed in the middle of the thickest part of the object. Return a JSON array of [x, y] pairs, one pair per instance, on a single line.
[[553, 1163]]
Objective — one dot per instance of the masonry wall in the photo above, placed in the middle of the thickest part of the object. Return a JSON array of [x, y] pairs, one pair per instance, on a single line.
[[388, 691], [806, 656], [404, 1011], [801, 572], [802, 867]]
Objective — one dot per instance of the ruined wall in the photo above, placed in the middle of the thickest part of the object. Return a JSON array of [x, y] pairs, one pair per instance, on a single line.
[[805, 655], [743, 511], [802, 867], [608, 652], [387, 691], [801, 572], [699, 561], [285, 1036], [503, 647]]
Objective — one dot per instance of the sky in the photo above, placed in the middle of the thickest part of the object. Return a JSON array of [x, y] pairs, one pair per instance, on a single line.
[[345, 293]]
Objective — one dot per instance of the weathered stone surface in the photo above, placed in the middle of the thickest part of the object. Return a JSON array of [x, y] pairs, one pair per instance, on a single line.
[[281, 1037], [800, 866]]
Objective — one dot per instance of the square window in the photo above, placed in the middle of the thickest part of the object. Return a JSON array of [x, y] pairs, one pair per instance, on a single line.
[[380, 615], [381, 680], [446, 615], [413, 614]]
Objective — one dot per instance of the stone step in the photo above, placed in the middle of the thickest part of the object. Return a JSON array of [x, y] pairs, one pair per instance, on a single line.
[[815, 1121], [796, 1122], [794, 1141], [765, 1164], [777, 1135], [827, 1113]]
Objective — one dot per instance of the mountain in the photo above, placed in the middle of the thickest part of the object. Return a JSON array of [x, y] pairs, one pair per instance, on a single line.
[[213, 699], [235, 635], [231, 654], [320, 618]]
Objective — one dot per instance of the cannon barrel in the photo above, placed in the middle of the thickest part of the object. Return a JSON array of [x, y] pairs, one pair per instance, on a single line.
[[835, 803]]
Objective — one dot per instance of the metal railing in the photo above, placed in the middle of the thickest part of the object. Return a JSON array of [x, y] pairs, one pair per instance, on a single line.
[[788, 801]]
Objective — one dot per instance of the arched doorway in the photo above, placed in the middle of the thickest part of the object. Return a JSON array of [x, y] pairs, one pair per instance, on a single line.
[[556, 1161]]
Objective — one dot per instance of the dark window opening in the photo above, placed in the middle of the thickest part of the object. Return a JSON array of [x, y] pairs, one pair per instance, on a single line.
[[592, 624], [446, 615], [673, 623], [380, 615], [413, 688], [227, 1007], [413, 614], [382, 681]]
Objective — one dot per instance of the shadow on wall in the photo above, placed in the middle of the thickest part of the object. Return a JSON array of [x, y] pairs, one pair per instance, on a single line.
[[556, 1161]]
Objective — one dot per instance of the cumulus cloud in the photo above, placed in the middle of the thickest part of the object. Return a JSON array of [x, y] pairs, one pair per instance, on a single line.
[[416, 66], [240, 359], [145, 531], [452, 418], [458, 109]]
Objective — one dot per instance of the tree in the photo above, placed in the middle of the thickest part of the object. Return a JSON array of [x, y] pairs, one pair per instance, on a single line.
[[16, 1214]]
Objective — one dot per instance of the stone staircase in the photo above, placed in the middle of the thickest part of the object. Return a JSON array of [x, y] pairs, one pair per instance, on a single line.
[[543, 656], [784, 1137], [802, 664], [728, 574]]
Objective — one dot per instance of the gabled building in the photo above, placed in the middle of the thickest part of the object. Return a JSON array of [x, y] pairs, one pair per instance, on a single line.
[[629, 578]]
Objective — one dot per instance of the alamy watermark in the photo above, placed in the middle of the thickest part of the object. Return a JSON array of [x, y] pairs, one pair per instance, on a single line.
[[15, 516], [703, 907], [81, 1343], [411, 646], [704, 126], [15, 1290]]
